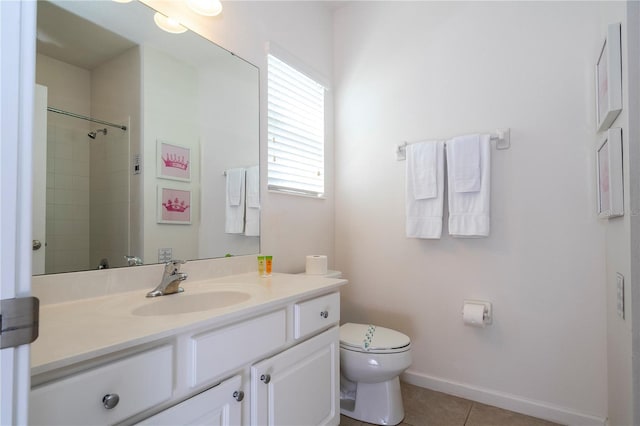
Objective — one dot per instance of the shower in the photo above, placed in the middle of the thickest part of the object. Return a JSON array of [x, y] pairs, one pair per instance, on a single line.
[[93, 134]]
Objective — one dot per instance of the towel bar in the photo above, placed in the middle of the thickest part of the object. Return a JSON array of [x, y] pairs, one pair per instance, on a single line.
[[502, 138]]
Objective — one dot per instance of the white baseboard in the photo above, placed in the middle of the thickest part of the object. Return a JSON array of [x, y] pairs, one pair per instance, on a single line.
[[509, 402]]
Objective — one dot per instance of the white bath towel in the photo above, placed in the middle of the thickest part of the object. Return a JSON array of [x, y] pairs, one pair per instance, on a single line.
[[464, 162], [252, 225], [234, 201], [469, 212], [423, 213]]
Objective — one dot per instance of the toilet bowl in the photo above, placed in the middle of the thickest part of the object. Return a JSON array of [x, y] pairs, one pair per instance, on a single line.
[[371, 361]]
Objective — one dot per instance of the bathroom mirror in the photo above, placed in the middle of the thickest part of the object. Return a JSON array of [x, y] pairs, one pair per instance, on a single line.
[[147, 177]]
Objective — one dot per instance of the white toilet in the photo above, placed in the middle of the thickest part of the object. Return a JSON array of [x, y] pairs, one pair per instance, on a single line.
[[371, 359]]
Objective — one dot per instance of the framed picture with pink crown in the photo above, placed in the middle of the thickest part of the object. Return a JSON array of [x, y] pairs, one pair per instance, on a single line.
[[174, 206], [174, 161]]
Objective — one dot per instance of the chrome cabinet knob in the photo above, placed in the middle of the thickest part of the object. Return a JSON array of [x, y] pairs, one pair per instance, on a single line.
[[238, 395], [36, 244], [110, 400], [324, 314], [266, 378]]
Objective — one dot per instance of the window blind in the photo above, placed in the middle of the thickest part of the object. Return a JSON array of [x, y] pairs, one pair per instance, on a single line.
[[295, 115]]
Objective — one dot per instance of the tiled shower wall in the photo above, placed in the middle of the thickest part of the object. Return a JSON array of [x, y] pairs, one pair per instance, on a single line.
[[67, 212]]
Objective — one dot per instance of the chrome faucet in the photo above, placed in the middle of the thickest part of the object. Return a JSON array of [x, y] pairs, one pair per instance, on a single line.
[[171, 278]]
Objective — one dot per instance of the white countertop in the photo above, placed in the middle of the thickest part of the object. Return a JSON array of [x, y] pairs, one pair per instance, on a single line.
[[80, 330]]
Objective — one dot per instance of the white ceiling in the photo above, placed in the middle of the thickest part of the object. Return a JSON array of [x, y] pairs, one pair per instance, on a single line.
[[71, 39]]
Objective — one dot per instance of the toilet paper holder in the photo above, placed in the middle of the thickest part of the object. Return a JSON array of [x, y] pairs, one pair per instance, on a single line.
[[487, 316]]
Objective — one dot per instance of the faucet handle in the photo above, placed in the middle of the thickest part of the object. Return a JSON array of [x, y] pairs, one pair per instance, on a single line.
[[133, 260], [173, 266]]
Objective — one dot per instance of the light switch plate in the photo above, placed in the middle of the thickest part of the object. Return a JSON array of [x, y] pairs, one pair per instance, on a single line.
[[165, 255], [620, 294]]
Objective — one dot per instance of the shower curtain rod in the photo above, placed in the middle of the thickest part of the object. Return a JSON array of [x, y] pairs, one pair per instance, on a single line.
[[82, 117]]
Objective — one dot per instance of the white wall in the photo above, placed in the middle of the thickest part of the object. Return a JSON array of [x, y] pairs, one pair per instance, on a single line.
[[170, 99], [229, 135], [115, 90], [292, 226], [619, 247], [415, 70], [633, 201]]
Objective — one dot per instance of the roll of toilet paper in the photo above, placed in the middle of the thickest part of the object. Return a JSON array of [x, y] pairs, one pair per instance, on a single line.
[[473, 314], [316, 265]]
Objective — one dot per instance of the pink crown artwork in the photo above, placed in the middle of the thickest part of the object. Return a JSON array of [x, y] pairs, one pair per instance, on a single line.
[[175, 205], [176, 161]]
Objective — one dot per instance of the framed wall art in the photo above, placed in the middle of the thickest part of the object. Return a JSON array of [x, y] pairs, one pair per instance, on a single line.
[[609, 79], [609, 175], [174, 161], [174, 206]]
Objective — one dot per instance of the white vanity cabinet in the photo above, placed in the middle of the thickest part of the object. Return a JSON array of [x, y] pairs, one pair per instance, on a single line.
[[299, 386], [275, 362], [218, 406]]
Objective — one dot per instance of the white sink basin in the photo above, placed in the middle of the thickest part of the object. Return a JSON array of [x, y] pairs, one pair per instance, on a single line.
[[184, 303]]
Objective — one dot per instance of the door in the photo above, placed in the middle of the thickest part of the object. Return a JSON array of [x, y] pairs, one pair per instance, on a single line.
[[17, 62], [299, 386], [39, 192]]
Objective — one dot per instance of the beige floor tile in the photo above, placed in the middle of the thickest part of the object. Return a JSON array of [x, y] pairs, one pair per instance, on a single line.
[[348, 421], [424, 407], [486, 415]]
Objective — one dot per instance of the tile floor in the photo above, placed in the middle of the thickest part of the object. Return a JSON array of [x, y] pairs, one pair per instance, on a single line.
[[424, 407]]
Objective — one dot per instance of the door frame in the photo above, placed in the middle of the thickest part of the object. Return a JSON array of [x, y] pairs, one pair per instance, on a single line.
[[17, 82]]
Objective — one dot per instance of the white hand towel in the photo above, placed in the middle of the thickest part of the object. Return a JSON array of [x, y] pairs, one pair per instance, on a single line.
[[252, 226], [235, 182], [469, 212], [464, 162], [234, 208], [421, 169], [424, 215]]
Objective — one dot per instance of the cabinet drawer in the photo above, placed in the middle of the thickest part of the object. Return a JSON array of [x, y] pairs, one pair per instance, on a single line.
[[220, 351], [316, 314], [141, 381]]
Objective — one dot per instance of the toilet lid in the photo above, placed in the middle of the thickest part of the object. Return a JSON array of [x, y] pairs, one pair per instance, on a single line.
[[366, 337]]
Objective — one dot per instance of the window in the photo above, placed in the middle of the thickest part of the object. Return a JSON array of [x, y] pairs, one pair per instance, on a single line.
[[295, 115]]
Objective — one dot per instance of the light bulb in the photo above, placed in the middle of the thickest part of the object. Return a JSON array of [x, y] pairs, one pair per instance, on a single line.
[[205, 7], [170, 25]]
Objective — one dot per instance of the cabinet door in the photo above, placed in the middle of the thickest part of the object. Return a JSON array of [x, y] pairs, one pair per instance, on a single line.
[[217, 406], [299, 386]]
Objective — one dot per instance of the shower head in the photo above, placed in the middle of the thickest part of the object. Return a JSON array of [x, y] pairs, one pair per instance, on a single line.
[[93, 134]]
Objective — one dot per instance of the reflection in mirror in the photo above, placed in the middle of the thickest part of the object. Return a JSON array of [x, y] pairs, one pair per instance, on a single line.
[[138, 134]]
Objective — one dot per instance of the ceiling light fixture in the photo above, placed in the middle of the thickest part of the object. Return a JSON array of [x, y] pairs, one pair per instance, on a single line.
[[205, 7], [170, 25]]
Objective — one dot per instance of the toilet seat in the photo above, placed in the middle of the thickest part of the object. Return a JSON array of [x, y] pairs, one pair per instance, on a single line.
[[368, 338]]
